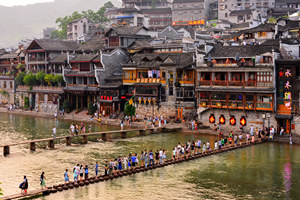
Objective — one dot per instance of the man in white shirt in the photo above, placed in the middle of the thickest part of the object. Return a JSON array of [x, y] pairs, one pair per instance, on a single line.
[[54, 132], [161, 156]]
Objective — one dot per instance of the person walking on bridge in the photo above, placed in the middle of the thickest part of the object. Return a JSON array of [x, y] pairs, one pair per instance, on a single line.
[[54, 131], [42, 179]]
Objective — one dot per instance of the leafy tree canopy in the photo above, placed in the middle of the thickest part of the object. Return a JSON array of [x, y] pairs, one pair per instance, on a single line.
[[96, 17]]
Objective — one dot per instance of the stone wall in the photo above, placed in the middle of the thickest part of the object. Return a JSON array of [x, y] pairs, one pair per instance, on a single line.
[[253, 118]]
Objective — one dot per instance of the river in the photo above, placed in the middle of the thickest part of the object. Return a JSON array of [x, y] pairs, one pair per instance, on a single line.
[[265, 171]]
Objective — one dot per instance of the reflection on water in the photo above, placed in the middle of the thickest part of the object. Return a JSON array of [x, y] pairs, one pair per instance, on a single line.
[[266, 171]]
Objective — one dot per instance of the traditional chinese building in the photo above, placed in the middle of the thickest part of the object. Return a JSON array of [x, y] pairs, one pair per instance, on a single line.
[[161, 83], [237, 82]]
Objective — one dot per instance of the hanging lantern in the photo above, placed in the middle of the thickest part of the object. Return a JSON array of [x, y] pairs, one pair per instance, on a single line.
[[212, 119], [232, 121], [250, 105], [219, 104], [149, 100], [243, 121], [145, 100], [140, 100], [203, 104], [222, 119]]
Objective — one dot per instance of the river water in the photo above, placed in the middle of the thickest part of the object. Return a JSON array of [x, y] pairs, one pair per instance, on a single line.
[[265, 171]]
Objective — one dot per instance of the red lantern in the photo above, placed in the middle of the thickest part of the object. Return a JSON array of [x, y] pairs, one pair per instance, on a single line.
[[222, 119], [243, 121], [212, 119], [232, 121], [101, 97]]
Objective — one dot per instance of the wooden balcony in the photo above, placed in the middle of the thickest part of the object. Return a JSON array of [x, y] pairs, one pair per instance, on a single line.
[[235, 83], [186, 80]]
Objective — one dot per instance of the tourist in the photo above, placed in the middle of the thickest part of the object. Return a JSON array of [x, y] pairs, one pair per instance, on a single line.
[[66, 176], [86, 172], [235, 139], [133, 160], [174, 153], [42, 179], [156, 157], [81, 170], [208, 145], [129, 163], [122, 125], [223, 142], [142, 158], [151, 160], [272, 132], [164, 155], [204, 147], [24, 185], [161, 156], [193, 147], [82, 128], [251, 130], [115, 165], [76, 129], [96, 168], [199, 145], [120, 163], [55, 115], [90, 128], [125, 161], [75, 174], [53, 131], [253, 138], [259, 135], [240, 138], [220, 144], [248, 138], [230, 141], [111, 166], [281, 131], [72, 129], [216, 145], [106, 168], [291, 141], [146, 158], [136, 159]]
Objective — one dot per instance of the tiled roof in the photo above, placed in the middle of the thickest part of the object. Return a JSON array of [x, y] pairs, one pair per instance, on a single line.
[[187, 1], [81, 88], [57, 45], [244, 51], [157, 11], [82, 57], [127, 30], [96, 43], [59, 59], [156, 60]]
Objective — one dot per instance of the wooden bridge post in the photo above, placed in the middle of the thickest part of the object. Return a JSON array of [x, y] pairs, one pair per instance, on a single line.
[[51, 144], [104, 136], [123, 135], [32, 146], [6, 150], [85, 139], [68, 141], [141, 132]]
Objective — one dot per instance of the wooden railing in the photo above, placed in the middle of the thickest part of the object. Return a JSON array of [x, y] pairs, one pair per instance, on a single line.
[[235, 83]]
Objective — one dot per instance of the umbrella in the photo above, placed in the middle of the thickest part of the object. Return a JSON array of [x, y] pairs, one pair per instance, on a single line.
[[209, 58], [237, 57]]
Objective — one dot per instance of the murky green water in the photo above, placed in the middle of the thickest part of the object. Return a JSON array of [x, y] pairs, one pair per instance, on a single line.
[[266, 171]]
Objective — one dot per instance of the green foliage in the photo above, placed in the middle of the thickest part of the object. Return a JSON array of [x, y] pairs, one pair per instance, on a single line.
[[96, 17], [40, 76], [272, 20], [26, 102], [4, 93], [129, 110], [49, 79], [1, 194], [30, 79], [20, 66], [59, 79], [20, 78]]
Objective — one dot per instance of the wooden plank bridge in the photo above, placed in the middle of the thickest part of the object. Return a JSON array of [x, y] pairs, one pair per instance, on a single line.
[[104, 136]]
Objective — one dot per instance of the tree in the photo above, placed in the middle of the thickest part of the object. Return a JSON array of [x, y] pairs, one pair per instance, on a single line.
[[49, 79], [129, 110], [20, 78], [59, 79], [26, 102], [96, 17], [29, 79], [40, 76]]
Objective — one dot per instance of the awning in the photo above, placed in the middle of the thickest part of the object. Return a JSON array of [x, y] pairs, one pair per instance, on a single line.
[[278, 116]]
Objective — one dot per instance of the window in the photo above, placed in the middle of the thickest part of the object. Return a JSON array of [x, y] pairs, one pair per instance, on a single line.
[[264, 101], [85, 80], [264, 77], [75, 27], [179, 93], [226, 15], [4, 84], [74, 80], [262, 34], [10, 85]]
